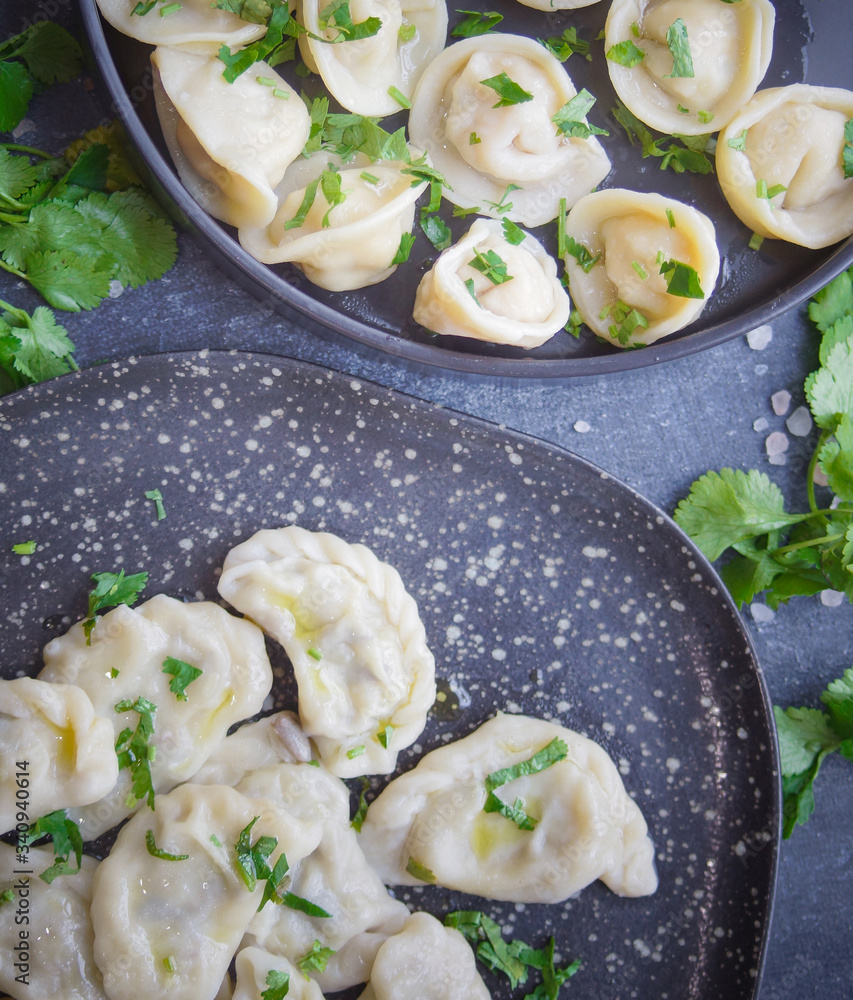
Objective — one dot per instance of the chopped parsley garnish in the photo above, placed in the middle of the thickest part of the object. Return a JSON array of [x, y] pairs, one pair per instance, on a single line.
[[503, 206], [626, 54], [24, 548], [157, 498], [135, 750], [358, 820], [399, 97], [66, 838], [491, 265], [565, 45], [337, 16], [706, 117], [569, 119], [682, 110], [847, 149], [316, 959], [278, 985], [169, 8], [114, 672], [305, 906], [684, 152], [581, 254], [314, 653], [169, 964], [512, 233], [670, 218], [111, 589], [476, 23], [7, 896], [144, 7], [575, 323], [436, 231], [679, 46], [681, 280], [508, 91], [385, 735], [330, 185], [739, 141], [513, 959], [641, 271], [370, 178], [561, 229], [554, 752], [254, 11], [182, 673], [763, 191], [462, 213], [156, 852], [276, 46], [354, 752], [32, 348], [625, 321], [755, 241], [406, 32], [305, 206], [420, 872], [469, 284]]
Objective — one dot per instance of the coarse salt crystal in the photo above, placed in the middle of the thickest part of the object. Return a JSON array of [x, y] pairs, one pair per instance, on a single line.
[[582, 427], [761, 424], [800, 422], [761, 613], [831, 598], [760, 337], [776, 443], [781, 402]]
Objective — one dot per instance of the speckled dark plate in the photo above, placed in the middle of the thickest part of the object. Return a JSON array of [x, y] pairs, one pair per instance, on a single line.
[[754, 288], [545, 586]]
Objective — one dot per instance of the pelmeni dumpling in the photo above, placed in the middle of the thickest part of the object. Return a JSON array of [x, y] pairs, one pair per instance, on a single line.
[[365, 674], [125, 661], [254, 965], [54, 751], [550, 5], [425, 961], [780, 165], [633, 253], [586, 824], [361, 74], [56, 952], [231, 142], [195, 23], [481, 148], [342, 245], [275, 739], [522, 303], [730, 45], [335, 876], [171, 927]]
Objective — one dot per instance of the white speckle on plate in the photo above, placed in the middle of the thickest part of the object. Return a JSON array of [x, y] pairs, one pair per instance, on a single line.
[[582, 427]]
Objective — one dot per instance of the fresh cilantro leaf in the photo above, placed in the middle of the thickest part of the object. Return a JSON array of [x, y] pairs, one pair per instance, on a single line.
[[406, 32], [679, 46], [802, 733], [626, 54], [838, 698], [24, 548], [358, 820], [683, 153], [512, 233], [420, 872], [281, 31], [732, 506], [681, 280], [69, 281], [738, 142], [16, 89], [294, 902], [66, 838], [565, 45], [337, 15], [403, 251], [570, 118], [112, 589], [436, 231], [581, 254], [829, 390], [135, 750], [156, 852], [625, 321], [17, 174], [508, 91], [763, 191], [491, 265], [156, 497], [182, 673], [836, 333], [476, 23], [316, 959], [833, 302], [7, 896], [836, 459], [847, 149], [254, 11], [89, 169], [252, 858], [278, 985], [305, 206], [33, 348], [503, 206], [554, 752]]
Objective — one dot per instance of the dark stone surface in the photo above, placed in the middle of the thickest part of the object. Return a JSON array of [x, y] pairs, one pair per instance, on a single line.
[[657, 429]]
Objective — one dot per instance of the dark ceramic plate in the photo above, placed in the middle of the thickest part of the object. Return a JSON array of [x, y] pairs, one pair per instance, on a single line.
[[545, 586], [754, 287]]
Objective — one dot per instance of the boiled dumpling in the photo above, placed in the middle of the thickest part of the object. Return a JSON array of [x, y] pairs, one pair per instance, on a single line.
[[231, 142], [518, 300], [361, 74], [53, 749], [430, 823], [335, 876], [781, 168], [550, 5], [275, 739], [729, 46], [196, 23], [365, 674], [343, 244], [61, 964], [640, 266], [254, 966], [171, 927], [126, 660], [483, 145], [425, 961]]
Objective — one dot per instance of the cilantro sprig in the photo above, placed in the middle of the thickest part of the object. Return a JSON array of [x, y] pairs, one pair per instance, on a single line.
[[32, 347], [278, 985], [111, 589], [807, 736], [742, 514], [66, 838], [182, 674], [316, 959], [42, 55], [684, 153], [570, 118], [135, 751], [513, 958]]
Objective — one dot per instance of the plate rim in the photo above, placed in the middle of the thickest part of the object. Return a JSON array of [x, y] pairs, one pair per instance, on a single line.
[[166, 361], [229, 255]]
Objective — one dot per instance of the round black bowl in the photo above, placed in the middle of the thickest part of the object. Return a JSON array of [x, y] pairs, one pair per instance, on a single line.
[[754, 287]]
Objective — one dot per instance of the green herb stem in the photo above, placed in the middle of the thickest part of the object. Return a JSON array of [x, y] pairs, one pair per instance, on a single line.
[[12, 270], [30, 150], [824, 437], [810, 543]]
